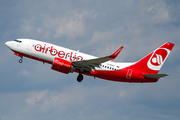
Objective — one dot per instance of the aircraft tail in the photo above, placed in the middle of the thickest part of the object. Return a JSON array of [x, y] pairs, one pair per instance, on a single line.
[[152, 63]]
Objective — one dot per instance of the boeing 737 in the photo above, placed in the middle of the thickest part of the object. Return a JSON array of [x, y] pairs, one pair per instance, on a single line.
[[68, 61]]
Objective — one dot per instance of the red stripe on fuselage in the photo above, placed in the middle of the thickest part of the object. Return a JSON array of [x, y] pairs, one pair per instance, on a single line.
[[120, 76], [32, 57]]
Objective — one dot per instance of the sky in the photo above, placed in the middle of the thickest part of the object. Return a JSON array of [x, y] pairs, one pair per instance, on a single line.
[[32, 91]]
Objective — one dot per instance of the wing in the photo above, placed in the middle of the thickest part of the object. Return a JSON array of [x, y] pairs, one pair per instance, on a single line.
[[89, 65]]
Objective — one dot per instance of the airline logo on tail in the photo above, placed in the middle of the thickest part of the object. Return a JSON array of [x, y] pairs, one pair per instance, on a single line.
[[157, 59]]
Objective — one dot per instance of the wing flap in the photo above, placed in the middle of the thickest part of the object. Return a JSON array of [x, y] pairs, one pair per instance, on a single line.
[[155, 76]]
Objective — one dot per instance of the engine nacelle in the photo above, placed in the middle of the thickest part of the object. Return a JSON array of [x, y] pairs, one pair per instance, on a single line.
[[61, 65]]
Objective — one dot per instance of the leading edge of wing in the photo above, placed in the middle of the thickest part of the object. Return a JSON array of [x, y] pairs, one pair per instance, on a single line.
[[91, 63]]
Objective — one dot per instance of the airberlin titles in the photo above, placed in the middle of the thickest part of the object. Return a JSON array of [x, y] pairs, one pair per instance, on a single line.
[[61, 54]]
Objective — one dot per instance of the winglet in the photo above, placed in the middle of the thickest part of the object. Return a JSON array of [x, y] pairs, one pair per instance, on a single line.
[[115, 54]]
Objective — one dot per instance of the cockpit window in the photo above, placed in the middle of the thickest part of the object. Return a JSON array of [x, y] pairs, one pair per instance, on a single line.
[[18, 41]]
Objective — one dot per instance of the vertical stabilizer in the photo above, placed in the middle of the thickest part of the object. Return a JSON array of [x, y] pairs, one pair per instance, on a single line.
[[152, 63]]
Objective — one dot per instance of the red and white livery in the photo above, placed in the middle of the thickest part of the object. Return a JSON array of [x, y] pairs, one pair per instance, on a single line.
[[67, 61]]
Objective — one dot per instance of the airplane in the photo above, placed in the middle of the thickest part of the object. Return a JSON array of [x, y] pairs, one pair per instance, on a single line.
[[68, 61]]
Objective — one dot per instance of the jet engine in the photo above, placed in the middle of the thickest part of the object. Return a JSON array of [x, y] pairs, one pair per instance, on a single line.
[[62, 65]]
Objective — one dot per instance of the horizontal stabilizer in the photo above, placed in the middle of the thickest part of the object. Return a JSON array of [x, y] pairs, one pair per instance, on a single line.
[[155, 76]]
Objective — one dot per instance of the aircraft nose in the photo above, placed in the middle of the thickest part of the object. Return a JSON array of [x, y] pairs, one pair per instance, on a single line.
[[8, 44]]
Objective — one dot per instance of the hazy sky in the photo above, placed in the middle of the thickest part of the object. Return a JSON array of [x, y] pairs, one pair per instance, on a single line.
[[32, 91]]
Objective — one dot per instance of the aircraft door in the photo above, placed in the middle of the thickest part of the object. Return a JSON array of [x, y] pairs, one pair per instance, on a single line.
[[30, 45], [129, 74]]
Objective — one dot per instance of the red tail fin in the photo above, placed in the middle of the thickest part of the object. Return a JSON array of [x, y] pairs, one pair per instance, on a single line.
[[152, 63]]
